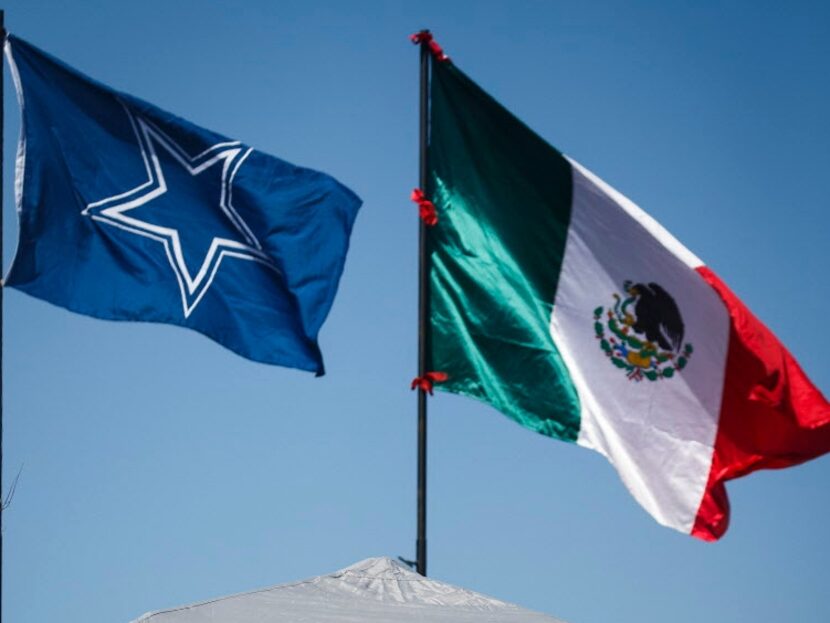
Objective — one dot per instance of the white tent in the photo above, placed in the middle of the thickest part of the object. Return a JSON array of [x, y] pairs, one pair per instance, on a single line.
[[372, 591]]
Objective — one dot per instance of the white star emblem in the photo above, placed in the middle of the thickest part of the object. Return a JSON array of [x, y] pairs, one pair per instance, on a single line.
[[115, 210]]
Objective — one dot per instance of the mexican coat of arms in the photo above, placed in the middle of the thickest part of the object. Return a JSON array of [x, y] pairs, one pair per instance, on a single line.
[[642, 333]]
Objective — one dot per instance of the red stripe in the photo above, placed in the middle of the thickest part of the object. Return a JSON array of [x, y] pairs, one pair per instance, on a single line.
[[771, 415]]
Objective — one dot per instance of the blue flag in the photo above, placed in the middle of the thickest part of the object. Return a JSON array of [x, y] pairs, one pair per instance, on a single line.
[[128, 212]]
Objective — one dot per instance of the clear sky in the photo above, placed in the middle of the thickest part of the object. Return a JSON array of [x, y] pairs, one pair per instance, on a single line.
[[160, 468]]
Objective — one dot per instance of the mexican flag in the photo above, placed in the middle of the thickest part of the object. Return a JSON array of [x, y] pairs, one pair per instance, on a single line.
[[562, 304]]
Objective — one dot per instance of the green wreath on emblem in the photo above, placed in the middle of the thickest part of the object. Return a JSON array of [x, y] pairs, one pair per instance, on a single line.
[[646, 341]]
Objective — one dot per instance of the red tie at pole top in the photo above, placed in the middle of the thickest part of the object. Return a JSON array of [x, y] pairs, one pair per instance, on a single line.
[[426, 37]]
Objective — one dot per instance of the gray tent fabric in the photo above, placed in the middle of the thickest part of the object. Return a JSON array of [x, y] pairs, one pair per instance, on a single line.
[[372, 591]]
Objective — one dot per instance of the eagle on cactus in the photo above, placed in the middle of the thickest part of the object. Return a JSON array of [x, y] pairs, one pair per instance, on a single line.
[[645, 332]]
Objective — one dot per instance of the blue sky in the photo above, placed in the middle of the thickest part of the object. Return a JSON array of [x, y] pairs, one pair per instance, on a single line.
[[159, 468]]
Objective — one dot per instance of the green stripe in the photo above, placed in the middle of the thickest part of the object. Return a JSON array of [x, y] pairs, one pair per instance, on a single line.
[[503, 197]]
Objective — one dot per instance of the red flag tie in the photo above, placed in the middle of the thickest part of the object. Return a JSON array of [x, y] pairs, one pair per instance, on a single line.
[[425, 383], [426, 37], [426, 209]]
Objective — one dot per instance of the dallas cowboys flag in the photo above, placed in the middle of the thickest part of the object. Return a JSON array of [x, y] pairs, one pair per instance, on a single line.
[[130, 213]]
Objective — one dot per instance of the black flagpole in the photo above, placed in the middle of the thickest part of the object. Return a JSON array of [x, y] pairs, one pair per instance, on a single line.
[[423, 318], [2, 501]]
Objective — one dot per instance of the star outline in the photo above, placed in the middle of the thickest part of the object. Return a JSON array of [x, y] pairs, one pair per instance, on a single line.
[[111, 210]]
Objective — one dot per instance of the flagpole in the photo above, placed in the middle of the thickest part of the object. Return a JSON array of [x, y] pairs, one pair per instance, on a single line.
[[423, 319], [2, 286]]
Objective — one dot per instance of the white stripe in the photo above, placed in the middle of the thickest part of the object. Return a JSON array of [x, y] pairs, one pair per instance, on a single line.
[[671, 243], [20, 160], [658, 434]]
